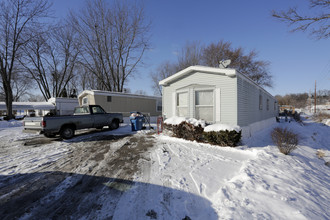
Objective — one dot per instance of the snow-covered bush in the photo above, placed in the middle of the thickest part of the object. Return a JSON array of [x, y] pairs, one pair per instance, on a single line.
[[193, 130], [188, 131], [223, 138], [319, 117], [223, 134], [285, 140], [179, 128]]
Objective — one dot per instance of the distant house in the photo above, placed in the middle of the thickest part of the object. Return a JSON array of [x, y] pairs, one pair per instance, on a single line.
[[60, 106], [218, 96], [122, 102]]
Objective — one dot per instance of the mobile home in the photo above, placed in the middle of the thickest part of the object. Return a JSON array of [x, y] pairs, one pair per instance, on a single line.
[[122, 102], [218, 96]]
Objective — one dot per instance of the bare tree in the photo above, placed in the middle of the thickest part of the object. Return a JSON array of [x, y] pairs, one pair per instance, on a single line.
[[20, 85], [140, 92], [163, 71], [298, 100], [191, 54], [88, 80], [34, 98], [247, 64], [51, 59], [318, 24], [195, 54], [17, 20], [114, 40], [216, 52]]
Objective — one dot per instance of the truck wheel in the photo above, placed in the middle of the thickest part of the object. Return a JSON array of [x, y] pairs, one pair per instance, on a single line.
[[114, 124], [49, 135], [67, 132]]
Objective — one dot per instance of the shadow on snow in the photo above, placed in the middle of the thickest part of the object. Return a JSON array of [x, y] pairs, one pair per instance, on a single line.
[[58, 195]]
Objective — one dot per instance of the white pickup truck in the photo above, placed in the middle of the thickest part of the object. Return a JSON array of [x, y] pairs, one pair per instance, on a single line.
[[91, 116]]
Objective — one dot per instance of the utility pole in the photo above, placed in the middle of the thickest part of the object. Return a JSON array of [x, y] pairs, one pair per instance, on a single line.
[[315, 99]]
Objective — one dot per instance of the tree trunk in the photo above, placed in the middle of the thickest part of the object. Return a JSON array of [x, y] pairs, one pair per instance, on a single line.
[[9, 100]]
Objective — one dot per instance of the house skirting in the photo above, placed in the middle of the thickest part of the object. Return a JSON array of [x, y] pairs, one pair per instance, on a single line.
[[248, 131]]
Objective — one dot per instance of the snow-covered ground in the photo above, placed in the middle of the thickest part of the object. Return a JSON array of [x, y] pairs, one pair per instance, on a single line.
[[178, 179]]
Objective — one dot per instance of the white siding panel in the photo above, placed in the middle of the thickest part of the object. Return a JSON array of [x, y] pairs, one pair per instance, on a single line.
[[217, 104], [248, 103], [168, 103], [228, 95]]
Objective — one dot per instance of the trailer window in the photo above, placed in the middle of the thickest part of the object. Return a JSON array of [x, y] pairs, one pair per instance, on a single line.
[[159, 106], [267, 104], [182, 104], [260, 102], [204, 105], [109, 99], [85, 101]]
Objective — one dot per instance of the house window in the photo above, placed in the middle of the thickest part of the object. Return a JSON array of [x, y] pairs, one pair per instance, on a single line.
[[85, 101], [109, 98], [267, 104], [204, 105], [182, 104], [159, 106], [274, 106], [260, 102]]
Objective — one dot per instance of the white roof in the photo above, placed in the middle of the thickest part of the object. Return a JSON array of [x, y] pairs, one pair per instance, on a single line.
[[28, 105], [108, 93], [226, 72]]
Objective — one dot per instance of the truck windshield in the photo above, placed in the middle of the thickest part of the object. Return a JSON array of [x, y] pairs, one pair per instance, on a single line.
[[81, 110]]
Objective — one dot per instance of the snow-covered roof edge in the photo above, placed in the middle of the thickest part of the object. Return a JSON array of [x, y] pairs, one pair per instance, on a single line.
[[28, 105], [107, 93], [227, 72]]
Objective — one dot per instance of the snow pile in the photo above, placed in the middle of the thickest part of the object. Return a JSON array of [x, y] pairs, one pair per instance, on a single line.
[[222, 127], [10, 123], [175, 120], [196, 122]]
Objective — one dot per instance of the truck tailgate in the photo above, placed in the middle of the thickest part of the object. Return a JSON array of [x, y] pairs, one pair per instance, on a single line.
[[32, 124]]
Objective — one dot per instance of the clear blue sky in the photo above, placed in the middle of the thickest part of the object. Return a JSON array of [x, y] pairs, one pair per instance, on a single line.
[[297, 60]]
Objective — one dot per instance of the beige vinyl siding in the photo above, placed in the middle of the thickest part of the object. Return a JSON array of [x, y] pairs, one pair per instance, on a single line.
[[125, 104], [248, 103], [228, 94]]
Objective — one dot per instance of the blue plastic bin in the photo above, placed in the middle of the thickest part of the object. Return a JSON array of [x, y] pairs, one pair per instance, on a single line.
[[137, 123]]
